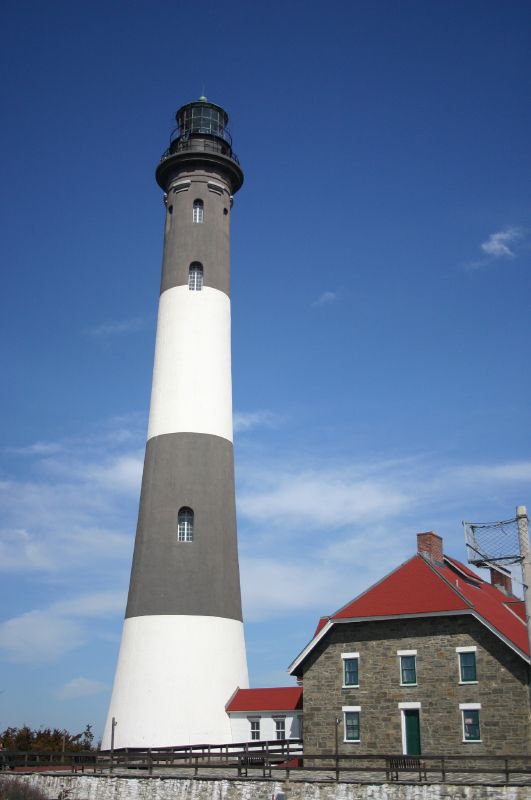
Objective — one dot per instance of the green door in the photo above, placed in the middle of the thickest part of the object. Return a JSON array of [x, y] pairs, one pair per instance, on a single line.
[[412, 732]]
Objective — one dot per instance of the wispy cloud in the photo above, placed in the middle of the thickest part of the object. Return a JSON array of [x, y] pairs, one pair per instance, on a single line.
[[38, 637], [37, 449], [312, 533], [80, 687], [325, 299], [314, 538], [77, 502], [45, 635], [297, 586], [248, 420], [514, 471], [500, 245], [322, 497], [120, 327]]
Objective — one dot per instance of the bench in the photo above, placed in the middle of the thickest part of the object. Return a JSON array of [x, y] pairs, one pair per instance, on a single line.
[[244, 762], [396, 764], [79, 762]]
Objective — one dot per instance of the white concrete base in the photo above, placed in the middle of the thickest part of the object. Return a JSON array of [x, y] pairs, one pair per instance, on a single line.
[[175, 675]]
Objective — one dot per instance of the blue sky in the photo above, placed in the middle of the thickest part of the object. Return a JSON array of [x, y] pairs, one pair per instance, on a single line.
[[381, 254]]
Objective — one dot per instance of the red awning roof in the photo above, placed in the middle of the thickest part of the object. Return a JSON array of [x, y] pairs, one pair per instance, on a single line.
[[283, 698]]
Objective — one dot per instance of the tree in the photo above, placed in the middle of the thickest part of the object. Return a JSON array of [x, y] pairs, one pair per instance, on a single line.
[[47, 740]]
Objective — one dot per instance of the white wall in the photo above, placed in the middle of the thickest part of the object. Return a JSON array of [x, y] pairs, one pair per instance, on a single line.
[[241, 726]]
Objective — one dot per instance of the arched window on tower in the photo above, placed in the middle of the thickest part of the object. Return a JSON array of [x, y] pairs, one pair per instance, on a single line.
[[195, 277], [185, 525], [197, 215]]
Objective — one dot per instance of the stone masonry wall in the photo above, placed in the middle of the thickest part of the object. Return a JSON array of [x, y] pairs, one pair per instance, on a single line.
[[105, 788], [501, 688]]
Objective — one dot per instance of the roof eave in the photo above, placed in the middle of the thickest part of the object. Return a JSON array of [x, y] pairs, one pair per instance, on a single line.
[[470, 610]]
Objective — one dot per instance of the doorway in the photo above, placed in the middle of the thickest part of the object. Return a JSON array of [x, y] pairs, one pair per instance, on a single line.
[[411, 731]]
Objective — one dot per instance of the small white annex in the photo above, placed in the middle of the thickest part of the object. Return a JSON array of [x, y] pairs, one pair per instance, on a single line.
[[265, 714]]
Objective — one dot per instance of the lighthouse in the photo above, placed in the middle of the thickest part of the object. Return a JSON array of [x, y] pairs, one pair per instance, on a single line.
[[182, 653]]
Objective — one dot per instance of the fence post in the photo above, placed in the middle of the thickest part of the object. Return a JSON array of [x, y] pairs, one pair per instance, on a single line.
[[443, 770], [196, 765], [113, 726], [506, 770]]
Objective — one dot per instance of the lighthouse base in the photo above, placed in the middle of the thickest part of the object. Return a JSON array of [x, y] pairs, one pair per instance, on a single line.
[[174, 677]]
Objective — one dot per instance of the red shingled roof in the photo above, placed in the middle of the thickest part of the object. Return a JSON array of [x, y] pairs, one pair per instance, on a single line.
[[423, 587], [284, 698], [410, 589], [322, 622]]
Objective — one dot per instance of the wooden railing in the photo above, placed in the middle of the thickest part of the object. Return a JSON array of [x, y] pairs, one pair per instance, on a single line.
[[255, 760]]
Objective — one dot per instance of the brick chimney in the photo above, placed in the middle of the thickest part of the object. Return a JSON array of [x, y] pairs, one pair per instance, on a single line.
[[501, 579], [430, 545]]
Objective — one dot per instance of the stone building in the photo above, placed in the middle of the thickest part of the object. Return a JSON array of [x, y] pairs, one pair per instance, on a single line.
[[430, 659]]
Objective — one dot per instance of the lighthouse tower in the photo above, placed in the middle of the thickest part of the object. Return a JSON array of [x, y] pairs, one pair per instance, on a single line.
[[182, 653]]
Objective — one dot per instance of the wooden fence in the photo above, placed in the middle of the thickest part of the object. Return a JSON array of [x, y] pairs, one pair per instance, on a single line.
[[284, 758]]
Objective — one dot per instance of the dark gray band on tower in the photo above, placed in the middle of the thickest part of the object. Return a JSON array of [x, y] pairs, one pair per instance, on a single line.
[[199, 577], [187, 242]]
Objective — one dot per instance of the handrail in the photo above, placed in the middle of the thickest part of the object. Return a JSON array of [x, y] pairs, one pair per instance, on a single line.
[[200, 145], [257, 759]]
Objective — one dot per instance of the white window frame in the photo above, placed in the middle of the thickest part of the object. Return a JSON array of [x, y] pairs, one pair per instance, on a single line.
[[278, 720], [459, 650], [346, 710], [187, 534], [463, 708], [195, 277], [254, 721], [407, 653], [413, 706], [350, 657], [198, 211]]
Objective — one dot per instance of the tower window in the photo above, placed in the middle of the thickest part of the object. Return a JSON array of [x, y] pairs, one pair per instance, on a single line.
[[185, 527], [195, 277], [198, 211]]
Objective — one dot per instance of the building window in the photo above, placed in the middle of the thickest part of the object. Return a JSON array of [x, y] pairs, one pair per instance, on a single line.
[[408, 667], [197, 215], [471, 729], [280, 725], [185, 526], [351, 723], [255, 730], [195, 277], [467, 664], [350, 669]]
